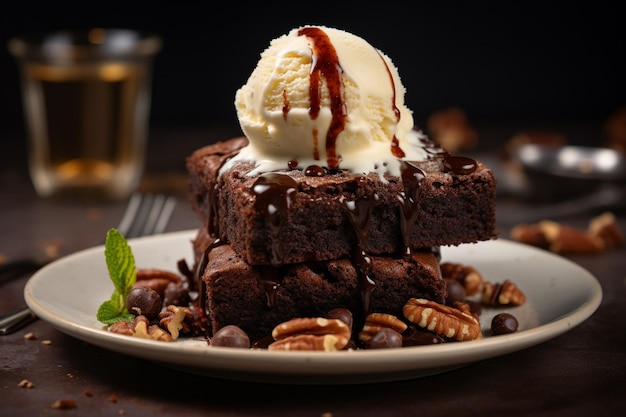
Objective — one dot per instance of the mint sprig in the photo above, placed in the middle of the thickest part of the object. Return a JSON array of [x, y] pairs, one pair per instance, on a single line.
[[122, 272]]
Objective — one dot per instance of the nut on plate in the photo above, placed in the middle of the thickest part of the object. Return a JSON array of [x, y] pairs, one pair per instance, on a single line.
[[441, 319], [157, 279], [375, 322], [174, 320], [140, 327], [316, 333], [467, 276], [502, 294]]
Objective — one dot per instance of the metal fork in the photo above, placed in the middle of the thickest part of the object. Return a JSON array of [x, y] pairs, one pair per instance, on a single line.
[[145, 214]]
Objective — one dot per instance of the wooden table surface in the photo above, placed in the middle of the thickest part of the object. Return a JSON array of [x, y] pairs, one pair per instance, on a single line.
[[580, 373]]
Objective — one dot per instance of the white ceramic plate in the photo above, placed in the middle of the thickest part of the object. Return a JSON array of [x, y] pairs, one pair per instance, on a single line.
[[560, 295]]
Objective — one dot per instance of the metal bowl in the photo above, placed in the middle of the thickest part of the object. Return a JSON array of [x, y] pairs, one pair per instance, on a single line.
[[566, 171]]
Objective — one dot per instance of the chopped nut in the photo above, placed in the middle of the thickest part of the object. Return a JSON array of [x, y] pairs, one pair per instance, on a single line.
[[140, 327], [311, 334], [46, 342], [441, 319], [122, 327], [605, 228], [467, 276], [30, 336], [374, 322], [506, 293], [173, 319], [63, 404], [25, 383], [146, 331]]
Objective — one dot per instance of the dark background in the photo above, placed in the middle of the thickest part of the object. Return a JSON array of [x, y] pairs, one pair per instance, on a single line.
[[537, 63]]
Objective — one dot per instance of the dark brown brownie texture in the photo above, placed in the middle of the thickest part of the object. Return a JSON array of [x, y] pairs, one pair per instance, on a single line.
[[257, 298], [451, 209]]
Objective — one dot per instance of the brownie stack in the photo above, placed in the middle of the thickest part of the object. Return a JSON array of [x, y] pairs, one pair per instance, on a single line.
[[301, 242]]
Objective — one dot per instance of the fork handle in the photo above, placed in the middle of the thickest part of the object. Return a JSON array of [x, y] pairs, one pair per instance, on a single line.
[[16, 321]]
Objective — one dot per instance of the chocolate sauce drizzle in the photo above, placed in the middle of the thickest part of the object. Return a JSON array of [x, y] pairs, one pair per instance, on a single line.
[[395, 143], [359, 213], [273, 198], [409, 198], [326, 63]]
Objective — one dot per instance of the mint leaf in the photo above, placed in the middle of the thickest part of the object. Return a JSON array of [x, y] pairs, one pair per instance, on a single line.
[[108, 313], [120, 262], [122, 272]]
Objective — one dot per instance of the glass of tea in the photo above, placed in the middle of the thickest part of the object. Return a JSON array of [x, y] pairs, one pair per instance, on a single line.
[[86, 97]]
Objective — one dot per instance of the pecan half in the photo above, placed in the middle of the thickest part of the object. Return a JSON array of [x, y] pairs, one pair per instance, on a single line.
[[157, 279], [441, 319], [501, 294], [311, 334], [468, 276], [375, 322]]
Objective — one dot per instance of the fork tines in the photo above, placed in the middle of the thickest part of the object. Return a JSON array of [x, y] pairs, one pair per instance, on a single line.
[[146, 214]]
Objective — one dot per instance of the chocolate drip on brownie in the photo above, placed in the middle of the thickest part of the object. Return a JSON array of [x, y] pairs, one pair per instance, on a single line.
[[412, 178], [359, 214], [273, 198]]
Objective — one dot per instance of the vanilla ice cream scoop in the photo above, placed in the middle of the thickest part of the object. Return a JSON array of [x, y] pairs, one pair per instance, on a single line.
[[322, 96]]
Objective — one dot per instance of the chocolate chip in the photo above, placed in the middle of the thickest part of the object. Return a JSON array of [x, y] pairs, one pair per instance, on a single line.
[[342, 314], [504, 323], [176, 294], [231, 336], [456, 291], [417, 337], [385, 338]]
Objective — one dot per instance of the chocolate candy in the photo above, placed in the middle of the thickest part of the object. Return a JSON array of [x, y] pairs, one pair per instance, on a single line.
[[504, 323], [456, 291], [384, 339], [231, 336], [144, 301]]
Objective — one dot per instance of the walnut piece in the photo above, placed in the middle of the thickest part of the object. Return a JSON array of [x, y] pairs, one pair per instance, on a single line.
[[140, 327], [173, 319], [441, 319], [311, 334]]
